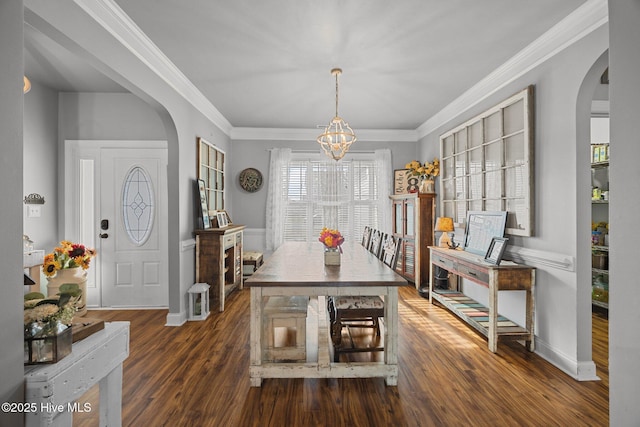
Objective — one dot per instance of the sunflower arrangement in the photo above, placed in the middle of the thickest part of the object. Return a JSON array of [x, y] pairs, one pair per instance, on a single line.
[[426, 170], [67, 255]]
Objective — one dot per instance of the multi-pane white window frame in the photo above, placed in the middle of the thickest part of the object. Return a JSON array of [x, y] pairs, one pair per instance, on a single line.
[[487, 165], [211, 171]]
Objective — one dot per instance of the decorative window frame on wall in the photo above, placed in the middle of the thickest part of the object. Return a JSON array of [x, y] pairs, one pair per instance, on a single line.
[[487, 164], [211, 171]]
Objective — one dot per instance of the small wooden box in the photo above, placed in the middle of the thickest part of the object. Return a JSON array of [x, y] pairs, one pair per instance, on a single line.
[[84, 326], [49, 349]]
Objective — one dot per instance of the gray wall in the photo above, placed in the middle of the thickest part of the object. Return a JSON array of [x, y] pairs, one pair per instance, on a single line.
[[250, 208], [11, 135], [624, 317], [40, 167], [557, 191]]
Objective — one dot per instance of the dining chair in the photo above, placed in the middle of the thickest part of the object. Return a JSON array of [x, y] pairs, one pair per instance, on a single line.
[[390, 251], [376, 242], [362, 311], [366, 237]]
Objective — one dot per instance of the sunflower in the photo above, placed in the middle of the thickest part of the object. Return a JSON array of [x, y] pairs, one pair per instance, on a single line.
[[426, 170], [82, 261], [51, 266]]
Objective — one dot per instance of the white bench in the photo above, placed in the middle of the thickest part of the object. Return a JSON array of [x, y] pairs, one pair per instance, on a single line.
[[285, 312]]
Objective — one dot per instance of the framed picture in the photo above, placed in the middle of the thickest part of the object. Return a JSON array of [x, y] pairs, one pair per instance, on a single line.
[[404, 182], [481, 227], [204, 209], [229, 222], [496, 249], [221, 218]]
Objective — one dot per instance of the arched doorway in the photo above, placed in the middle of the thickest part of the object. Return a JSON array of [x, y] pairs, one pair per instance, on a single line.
[[583, 224]]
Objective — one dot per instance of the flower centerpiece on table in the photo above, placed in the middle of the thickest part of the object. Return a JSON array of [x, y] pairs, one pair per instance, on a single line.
[[67, 255], [331, 239]]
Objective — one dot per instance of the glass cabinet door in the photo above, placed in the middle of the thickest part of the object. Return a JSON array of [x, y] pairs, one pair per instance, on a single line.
[[398, 216], [410, 212]]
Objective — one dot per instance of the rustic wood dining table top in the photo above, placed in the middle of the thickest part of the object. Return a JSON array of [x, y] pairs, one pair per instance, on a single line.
[[302, 264]]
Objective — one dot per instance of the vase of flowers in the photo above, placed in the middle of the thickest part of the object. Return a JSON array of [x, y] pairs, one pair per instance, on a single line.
[[47, 324], [332, 241], [426, 172], [68, 264]]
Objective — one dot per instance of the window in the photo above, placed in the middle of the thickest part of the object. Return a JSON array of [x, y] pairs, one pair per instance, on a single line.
[[321, 193], [211, 171], [487, 164], [138, 205]]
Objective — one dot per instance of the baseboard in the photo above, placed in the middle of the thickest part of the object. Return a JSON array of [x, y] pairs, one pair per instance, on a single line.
[[581, 371], [176, 319]]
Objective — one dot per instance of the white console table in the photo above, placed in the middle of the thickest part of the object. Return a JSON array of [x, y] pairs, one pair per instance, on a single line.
[[54, 388]]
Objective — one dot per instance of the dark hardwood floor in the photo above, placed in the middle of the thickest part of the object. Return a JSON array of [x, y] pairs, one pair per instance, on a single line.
[[197, 375]]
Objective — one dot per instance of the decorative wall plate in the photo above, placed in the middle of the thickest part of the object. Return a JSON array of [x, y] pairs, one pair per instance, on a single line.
[[250, 180]]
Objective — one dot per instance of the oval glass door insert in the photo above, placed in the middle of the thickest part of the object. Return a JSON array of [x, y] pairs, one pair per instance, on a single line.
[[138, 205]]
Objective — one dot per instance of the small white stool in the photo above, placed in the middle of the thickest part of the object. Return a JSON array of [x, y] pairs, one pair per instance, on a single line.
[[198, 301], [285, 312]]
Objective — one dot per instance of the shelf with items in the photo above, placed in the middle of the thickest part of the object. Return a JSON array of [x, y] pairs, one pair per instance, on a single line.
[[599, 173], [600, 225], [600, 288], [600, 273]]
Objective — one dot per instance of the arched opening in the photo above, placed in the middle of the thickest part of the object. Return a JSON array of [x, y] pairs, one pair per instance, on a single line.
[[584, 113]]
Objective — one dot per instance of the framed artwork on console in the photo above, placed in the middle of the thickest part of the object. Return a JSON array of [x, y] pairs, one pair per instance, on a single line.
[[496, 249]]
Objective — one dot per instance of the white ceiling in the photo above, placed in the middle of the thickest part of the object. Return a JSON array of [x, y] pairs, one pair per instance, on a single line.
[[266, 63]]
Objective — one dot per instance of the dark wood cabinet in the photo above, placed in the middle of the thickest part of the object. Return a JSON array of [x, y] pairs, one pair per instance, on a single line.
[[413, 221], [219, 260]]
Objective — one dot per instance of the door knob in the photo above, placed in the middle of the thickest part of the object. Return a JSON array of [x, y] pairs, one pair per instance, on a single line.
[[103, 235]]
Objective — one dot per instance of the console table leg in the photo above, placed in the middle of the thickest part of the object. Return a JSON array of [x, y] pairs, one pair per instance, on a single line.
[[493, 312]]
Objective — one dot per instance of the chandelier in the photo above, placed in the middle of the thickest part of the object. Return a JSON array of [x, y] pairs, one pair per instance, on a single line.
[[337, 136]]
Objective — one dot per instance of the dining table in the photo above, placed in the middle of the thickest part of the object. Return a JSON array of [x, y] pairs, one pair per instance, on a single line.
[[298, 269]]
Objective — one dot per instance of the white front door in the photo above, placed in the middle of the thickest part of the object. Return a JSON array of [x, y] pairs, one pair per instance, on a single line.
[[129, 180]]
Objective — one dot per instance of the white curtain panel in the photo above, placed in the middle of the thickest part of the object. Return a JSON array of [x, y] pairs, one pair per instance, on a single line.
[[385, 187], [276, 205]]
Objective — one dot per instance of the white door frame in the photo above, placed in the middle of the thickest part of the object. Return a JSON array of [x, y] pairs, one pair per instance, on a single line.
[[80, 196]]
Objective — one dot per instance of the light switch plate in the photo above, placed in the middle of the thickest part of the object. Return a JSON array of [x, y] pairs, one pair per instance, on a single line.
[[34, 211]]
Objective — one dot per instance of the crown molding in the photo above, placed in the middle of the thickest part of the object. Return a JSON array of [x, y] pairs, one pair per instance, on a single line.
[[587, 18], [290, 134], [114, 20]]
